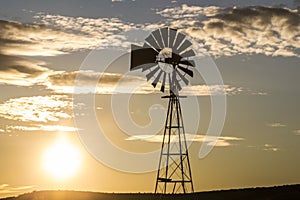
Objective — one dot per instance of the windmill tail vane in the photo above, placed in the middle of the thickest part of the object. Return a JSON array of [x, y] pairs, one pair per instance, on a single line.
[[166, 58]]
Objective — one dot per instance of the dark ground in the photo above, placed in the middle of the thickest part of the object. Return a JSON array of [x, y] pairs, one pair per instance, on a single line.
[[267, 193]]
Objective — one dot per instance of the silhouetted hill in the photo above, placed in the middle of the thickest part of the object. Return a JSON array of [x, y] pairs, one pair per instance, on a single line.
[[268, 193]]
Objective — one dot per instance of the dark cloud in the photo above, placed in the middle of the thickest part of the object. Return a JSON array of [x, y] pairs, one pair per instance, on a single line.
[[15, 35], [21, 65], [20, 71], [273, 31], [262, 15], [8, 26], [216, 25]]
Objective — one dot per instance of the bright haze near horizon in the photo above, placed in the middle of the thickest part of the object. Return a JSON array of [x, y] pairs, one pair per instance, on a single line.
[[254, 44]]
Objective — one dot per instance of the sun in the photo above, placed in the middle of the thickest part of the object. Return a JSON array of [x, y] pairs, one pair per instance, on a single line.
[[62, 160]]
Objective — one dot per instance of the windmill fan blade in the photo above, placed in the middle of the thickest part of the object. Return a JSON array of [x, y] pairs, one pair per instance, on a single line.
[[183, 78], [188, 53], [162, 88], [140, 56], [193, 63], [178, 85], [151, 74], [152, 42], [187, 62], [187, 71], [174, 79], [146, 46], [179, 39], [186, 44], [154, 83], [174, 75], [158, 38], [172, 34], [147, 66], [165, 36]]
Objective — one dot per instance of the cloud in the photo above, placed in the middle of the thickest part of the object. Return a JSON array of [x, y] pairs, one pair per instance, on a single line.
[[297, 132], [231, 31], [188, 12], [222, 141], [276, 124], [35, 40], [205, 90], [49, 128], [265, 147], [271, 31], [269, 147], [7, 189], [38, 113], [25, 72], [20, 71], [37, 108], [87, 78], [55, 35], [93, 32], [95, 82], [113, 83]]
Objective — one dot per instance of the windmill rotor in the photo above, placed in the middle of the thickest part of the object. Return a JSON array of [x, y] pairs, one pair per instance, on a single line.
[[166, 57]]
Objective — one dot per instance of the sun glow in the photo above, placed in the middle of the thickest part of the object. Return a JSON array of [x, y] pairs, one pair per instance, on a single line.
[[62, 160]]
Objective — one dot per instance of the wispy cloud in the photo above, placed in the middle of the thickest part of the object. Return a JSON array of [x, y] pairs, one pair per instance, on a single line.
[[37, 108], [265, 147], [247, 30], [25, 72], [276, 125], [222, 141], [297, 132], [270, 147], [10, 190], [113, 83], [188, 12], [95, 82], [210, 90], [49, 128]]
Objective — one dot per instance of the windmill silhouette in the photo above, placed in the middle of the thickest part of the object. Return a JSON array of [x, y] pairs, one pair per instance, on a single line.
[[165, 57]]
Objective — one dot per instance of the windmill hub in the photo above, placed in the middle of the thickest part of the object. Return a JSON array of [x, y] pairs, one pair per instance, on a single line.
[[165, 53]]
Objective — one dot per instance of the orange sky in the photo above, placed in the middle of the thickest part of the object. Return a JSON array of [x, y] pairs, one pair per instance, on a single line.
[[46, 46]]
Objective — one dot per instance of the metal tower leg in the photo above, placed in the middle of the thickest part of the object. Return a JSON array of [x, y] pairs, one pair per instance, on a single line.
[[174, 165]]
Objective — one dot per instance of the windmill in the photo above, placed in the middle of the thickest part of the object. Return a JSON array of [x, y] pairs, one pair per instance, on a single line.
[[165, 57]]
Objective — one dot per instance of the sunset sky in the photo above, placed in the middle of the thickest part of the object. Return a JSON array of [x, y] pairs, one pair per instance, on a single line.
[[45, 45]]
